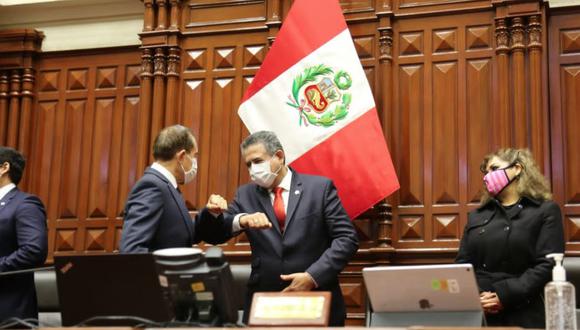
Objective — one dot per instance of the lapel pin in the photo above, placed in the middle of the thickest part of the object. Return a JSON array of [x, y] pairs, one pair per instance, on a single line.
[[297, 192], [2, 204]]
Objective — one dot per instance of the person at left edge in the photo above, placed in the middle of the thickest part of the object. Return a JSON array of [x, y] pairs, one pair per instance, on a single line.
[[156, 216], [23, 239]]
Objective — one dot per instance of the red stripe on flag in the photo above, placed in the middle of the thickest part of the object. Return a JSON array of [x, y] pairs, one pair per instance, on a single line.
[[309, 25], [354, 157]]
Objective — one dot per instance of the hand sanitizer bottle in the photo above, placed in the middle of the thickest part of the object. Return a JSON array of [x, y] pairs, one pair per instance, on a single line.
[[560, 298]]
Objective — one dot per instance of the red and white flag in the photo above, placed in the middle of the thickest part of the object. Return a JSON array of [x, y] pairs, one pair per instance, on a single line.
[[312, 92]]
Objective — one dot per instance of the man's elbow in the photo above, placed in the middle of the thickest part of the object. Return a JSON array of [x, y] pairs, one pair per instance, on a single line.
[[34, 255]]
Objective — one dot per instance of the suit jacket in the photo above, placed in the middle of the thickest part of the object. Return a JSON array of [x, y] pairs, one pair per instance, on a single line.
[[319, 238], [156, 217], [507, 248], [23, 244]]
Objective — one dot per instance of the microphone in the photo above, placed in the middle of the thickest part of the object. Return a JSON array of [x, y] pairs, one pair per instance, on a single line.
[[25, 271]]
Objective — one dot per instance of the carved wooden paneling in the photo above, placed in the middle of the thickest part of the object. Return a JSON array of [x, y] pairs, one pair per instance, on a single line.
[[128, 174], [86, 139], [564, 47], [444, 96], [412, 228], [456, 79], [106, 77], [444, 40], [204, 16], [445, 174], [570, 41], [432, 7], [411, 114], [77, 79], [254, 55], [573, 225], [571, 117], [217, 71], [478, 37], [75, 111], [446, 227], [479, 99], [101, 154]]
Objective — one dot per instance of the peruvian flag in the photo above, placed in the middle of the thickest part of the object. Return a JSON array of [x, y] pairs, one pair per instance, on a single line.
[[312, 92]]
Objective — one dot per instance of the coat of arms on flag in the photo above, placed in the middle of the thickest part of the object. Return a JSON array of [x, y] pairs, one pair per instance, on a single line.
[[320, 95], [312, 91]]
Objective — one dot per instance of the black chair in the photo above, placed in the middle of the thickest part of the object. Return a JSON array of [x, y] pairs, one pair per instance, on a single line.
[[572, 266], [241, 274], [47, 296]]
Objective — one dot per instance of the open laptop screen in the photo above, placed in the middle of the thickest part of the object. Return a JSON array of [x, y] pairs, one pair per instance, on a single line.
[[110, 284], [450, 287]]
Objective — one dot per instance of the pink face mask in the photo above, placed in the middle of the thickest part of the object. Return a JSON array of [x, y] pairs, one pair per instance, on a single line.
[[496, 181]]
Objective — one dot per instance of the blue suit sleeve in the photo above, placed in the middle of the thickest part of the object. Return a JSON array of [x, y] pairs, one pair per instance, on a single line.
[[344, 240], [142, 215], [212, 229], [31, 237]]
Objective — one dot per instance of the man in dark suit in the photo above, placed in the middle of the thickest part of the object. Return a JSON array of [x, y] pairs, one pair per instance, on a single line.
[[23, 239], [156, 216], [300, 235]]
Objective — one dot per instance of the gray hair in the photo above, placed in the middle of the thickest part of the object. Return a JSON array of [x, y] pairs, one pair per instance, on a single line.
[[266, 138]]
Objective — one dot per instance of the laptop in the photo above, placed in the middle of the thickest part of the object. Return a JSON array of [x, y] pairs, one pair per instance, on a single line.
[[110, 285], [414, 295]]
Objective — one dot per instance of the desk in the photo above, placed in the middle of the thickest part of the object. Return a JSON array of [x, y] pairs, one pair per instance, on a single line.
[[293, 328]]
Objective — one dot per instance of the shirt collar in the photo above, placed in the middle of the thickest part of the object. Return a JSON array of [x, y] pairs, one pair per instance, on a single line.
[[6, 189], [165, 172], [286, 181]]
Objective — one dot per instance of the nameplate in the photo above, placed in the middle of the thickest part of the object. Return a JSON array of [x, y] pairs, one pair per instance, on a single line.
[[290, 309]]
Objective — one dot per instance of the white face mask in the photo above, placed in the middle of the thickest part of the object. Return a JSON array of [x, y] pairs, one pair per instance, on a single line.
[[189, 175], [262, 175]]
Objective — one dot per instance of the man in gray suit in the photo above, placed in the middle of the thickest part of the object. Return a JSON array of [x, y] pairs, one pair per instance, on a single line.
[[156, 216], [300, 234]]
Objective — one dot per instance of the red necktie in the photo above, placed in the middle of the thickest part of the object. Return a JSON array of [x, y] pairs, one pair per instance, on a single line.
[[279, 209]]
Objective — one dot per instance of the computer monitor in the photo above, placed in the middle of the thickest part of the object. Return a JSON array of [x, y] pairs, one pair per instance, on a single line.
[[110, 285], [200, 286]]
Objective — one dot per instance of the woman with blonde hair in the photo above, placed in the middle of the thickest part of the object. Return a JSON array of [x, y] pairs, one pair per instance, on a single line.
[[508, 237]]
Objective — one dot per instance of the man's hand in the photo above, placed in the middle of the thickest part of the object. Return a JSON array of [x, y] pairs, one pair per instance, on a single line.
[[490, 302], [300, 282], [216, 204], [255, 221]]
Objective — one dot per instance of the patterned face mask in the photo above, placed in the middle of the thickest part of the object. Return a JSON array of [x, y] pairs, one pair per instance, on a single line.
[[496, 181]]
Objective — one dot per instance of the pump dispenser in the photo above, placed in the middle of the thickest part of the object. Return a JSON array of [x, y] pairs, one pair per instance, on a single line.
[[560, 298]]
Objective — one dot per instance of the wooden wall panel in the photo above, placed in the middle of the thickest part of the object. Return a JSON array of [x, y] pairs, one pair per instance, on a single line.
[[453, 80], [445, 189], [479, 100], [87, 115], [442, 109], [411, 133], [564, 38], [216, 71]]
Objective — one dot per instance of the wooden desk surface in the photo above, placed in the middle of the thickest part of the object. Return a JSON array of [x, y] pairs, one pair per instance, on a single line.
[[293, 328]]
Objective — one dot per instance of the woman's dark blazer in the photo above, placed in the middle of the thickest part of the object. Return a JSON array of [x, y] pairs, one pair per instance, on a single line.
[[507, 248]]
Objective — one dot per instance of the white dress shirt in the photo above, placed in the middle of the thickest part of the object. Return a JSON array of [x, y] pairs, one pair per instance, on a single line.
[[165, 172], [6, 189], [285, 185]]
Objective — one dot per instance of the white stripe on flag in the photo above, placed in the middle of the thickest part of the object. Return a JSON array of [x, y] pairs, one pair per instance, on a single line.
[[267, 109]]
